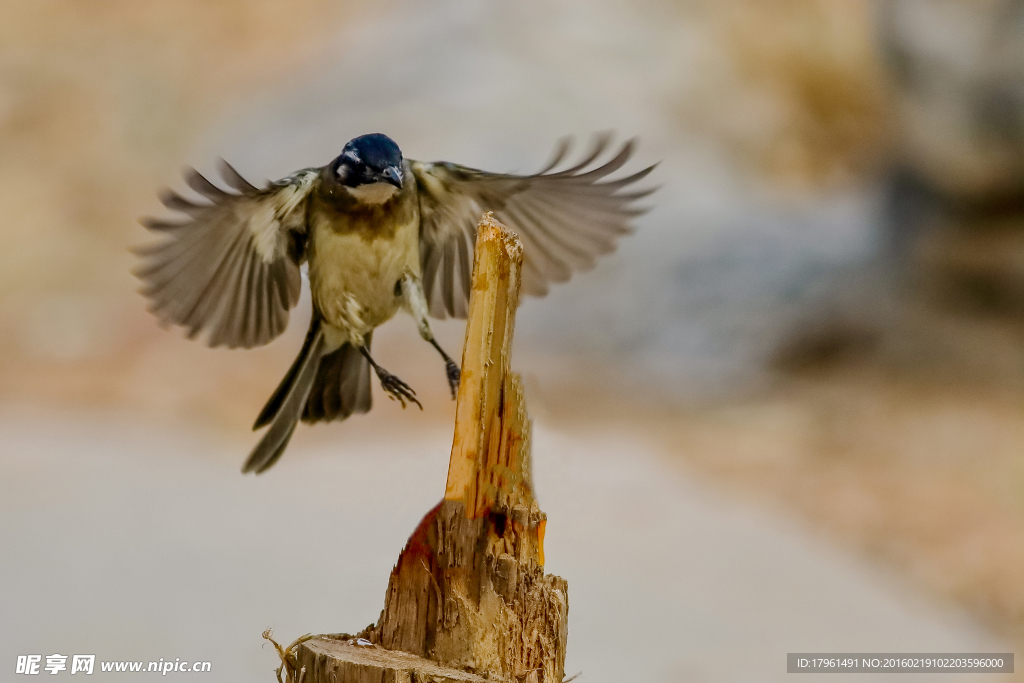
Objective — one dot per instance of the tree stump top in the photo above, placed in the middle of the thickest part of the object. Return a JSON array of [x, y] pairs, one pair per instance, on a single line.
[[325, 659]]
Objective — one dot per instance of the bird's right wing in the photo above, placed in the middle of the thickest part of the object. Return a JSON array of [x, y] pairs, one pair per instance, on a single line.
[[232, 269]]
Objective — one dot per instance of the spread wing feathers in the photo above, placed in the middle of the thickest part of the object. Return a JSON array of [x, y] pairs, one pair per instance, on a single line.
[[232, 268], [565, 219]]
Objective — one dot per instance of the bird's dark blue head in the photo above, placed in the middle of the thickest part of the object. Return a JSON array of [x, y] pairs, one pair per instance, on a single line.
[[369, 159]]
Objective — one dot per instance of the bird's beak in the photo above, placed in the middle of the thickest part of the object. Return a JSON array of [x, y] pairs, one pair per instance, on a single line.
[[393, 175]]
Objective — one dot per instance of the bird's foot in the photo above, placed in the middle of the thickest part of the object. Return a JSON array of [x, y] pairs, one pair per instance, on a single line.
[[454, 375], [396, 389]]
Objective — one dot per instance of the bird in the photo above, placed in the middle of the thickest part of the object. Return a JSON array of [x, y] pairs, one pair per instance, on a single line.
[[378, 233]]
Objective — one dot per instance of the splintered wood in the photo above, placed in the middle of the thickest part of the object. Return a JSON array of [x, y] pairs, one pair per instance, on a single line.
[[487, 466], [468, 599]]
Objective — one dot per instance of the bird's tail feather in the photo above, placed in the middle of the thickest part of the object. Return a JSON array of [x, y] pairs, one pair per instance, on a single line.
[[286, 405], [342, 385], [277, 398]]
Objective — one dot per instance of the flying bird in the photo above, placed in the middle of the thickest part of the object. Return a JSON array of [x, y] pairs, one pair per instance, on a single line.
[[379, 233]]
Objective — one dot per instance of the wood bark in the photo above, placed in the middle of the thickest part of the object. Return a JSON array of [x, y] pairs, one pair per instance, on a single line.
[[468, 594]]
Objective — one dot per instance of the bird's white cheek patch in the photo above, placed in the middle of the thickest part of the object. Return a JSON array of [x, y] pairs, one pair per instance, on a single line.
[[374, 193]]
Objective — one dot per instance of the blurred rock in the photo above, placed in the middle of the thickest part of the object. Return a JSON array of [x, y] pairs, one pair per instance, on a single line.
[[949, 272], [958, 71], [956, 200]]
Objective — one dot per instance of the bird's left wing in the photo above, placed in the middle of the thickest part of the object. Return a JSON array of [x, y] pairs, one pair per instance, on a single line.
[[565, 219], [232, 269]]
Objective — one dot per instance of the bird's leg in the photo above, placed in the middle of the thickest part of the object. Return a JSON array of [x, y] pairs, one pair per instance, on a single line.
[[451, 369], [415, 302], [396, 389]]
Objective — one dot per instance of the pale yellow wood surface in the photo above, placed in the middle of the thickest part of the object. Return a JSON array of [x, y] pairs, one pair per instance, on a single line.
[[498, 258]]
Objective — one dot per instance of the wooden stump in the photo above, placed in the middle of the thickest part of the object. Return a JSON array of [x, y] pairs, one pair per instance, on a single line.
[[468, 599]]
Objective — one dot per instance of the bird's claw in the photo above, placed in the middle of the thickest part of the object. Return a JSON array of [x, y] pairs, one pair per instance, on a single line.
[[397, 390], [454, 375]]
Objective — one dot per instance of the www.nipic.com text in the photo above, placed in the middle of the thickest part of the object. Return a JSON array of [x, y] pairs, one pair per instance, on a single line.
[[86, 664]]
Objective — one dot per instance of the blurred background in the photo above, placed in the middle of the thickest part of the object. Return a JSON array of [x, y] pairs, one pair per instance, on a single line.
[[802, 376]]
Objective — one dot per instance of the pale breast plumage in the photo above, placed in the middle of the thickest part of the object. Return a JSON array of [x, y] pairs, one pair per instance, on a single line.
[[353, 275]]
